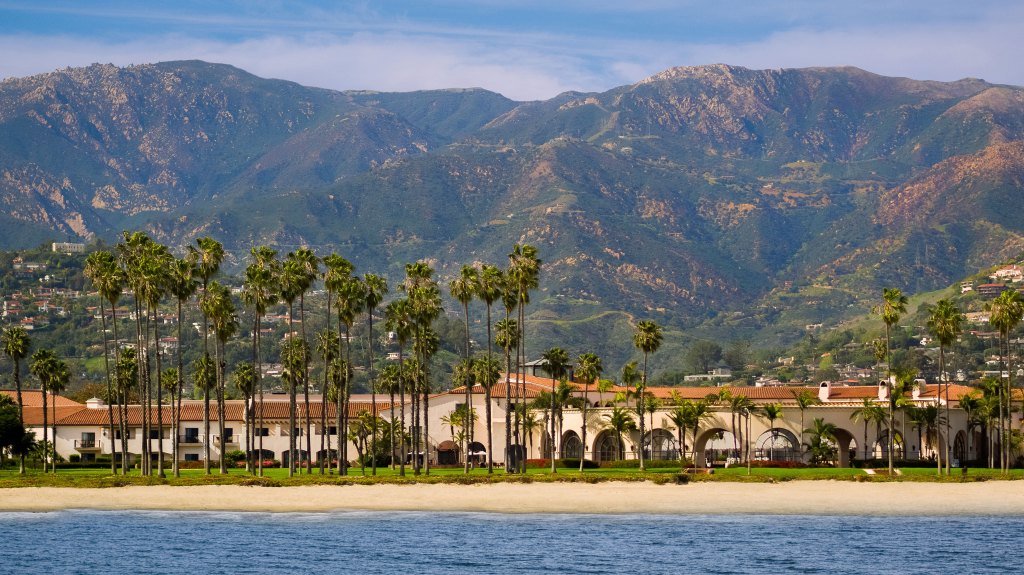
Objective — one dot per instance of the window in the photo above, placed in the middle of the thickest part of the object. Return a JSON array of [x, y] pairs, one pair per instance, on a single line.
[[298, 432], [191, 457], [117, 434], [191, 435], [154, 434], [332, 430], [229, 434], [88, 457], [263, 432]]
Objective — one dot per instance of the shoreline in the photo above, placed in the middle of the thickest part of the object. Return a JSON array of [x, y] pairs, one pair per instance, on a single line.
[[789, 498]]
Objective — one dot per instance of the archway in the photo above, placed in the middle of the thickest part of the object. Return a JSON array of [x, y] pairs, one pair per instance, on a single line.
[[606, 447], [846, 447], [301, 456], [477, 453], [448, 453], [572, 446], [715, 446], [661, 444], [881, 450], [959, 449], [777, 444]]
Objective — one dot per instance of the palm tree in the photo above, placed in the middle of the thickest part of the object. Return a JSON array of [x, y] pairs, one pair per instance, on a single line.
[[646, 338], [679, 416], [822, 446], [869, 412], [101, 269], [351, 298], [337, 273], [488, 371], [894, 305], [307, 268], [1005, 312], [693, 413], [739, 407], [204, 378], [588, 368], [772, 412], [388, 380], [327, 346], [152, 282], [530, 424], [508, 338], [946, 323], [290, 285], [463, 289], [219, 308], [555, 361], [804, 399], [244, 379], [182, 284], [425, 298], [972, 407], [490, 288], [207, 254], [16, 344], [259, 291], [293, 359], [42, 366], [522, 276], [620, 421], [375, 287]]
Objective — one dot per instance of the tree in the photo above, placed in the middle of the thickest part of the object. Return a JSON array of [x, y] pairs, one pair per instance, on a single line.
[[703, 355], [337, 275], [507, 338], [16, 344], [259, 291], [620, 421], [772, 412], [822, 445], [220, 309], [893, 306], [182, 284], [488, 371], [869, 412], [805, 399], [490, 289], [42, 366], [102, 270], [555, 361], [307, 268], [327, 344], [646, 338], [13, 436], [523, 275], [1005, 312], [375, 287], [946, 323], [463, 289], [351, 298], [588, 369], [204, 378], [398, 317], [207, 254], [244, 379]]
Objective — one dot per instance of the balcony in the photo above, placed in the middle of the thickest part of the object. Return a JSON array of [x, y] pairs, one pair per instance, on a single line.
[[229, 440], [190, 440], [87, 445]]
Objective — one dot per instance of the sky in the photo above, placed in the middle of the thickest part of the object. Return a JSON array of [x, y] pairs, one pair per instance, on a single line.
[[524, 49]]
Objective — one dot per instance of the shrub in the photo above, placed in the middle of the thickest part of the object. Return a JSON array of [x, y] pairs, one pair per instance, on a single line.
[[74, 458], [575, 463], [235, 456]]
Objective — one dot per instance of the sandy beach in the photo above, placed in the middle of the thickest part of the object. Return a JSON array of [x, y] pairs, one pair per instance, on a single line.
[[791, 498]]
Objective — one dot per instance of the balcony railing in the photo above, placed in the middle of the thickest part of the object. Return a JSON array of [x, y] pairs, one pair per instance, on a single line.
[[190, 439], [86, 444], [229, 440]]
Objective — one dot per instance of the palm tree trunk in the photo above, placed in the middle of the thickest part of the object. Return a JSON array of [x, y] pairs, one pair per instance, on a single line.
[[159, 400], [110, 391], [45, 449], [305, 386]]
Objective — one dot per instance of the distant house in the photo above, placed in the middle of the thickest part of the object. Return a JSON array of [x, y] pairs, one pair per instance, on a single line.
[[966, 287], [1012, 273], [991, 290], [68, 248]]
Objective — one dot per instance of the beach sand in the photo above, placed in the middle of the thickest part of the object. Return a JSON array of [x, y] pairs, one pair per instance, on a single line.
[[791, 498]]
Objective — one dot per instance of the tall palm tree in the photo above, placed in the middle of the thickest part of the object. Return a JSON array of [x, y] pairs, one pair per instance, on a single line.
[[741, 406], [218, 306], [946, 323], [293, 360], [375, 288], [646, 338], [822, 444], [693, 413], [488, 372], [489, 290], [772, 412], [388, 380], [555, 361], [244, 378], [1005, 312], [425, 298], [182, 284], [337, 273], [259, 291], [204, 378], [102, 270], [588, 369], [290, 284], [16, 344], [398, 317], [463, 289], [327, 345], [208, 254], [805, 399], [507, 337], [523, 275], [309, 265], [972, 407], [152, 282], [60, 377], [42, 366], [351, 298], [893, 306]]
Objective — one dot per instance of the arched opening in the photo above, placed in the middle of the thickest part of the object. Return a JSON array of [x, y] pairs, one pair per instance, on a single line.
[[661, 444], [881, 450], [477, 453], [301, 456], [516, 453], [846, 447], [448, 453], [572, 447], [607, 448], [716, 447], [545, 445], [959, 449], [327, 455], [777, 444], [266, 454]]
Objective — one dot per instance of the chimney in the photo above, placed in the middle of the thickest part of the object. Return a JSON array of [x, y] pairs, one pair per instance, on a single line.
[[95, 403], [883, 391], [824, 390]]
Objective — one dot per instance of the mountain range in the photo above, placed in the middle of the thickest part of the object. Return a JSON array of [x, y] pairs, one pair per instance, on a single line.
[[717, 200]]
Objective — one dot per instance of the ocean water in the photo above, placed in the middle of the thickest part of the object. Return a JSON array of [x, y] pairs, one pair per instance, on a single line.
[[195, 543]]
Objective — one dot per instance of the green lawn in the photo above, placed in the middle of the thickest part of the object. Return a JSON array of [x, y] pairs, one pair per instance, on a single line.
[[276, 476]]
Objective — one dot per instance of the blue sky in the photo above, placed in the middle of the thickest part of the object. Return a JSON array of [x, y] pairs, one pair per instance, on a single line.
[[525, 49]]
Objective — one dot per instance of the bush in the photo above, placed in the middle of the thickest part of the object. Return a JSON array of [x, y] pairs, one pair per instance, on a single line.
[[74, 458], [635, 463], [235, 456], [779, 464], [575, 463]]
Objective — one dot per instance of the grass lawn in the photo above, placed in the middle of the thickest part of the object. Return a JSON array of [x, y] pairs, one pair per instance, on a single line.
[[277, 476]]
